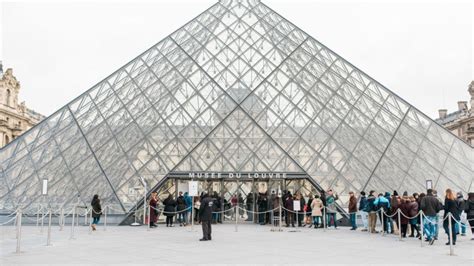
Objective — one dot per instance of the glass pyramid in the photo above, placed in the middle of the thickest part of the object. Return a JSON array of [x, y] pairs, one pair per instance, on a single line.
[[237, 89]]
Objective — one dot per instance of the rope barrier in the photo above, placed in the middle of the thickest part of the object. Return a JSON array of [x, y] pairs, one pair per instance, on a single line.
[[176, 212], [401, 212], [256, 212]]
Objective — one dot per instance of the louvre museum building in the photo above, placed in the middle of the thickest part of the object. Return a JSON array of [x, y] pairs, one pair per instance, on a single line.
[[242, 101]]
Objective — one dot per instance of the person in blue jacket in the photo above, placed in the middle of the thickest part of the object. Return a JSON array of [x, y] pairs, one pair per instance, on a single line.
[[383, 205], [188, 200]]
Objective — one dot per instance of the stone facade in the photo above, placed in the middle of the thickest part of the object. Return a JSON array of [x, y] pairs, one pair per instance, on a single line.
[[461, 122], [15, 117]]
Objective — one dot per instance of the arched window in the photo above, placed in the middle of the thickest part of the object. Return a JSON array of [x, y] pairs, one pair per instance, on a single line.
[[7, 140], [9, 94]]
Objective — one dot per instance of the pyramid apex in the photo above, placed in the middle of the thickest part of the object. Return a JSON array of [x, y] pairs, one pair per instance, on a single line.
[[243, 2]]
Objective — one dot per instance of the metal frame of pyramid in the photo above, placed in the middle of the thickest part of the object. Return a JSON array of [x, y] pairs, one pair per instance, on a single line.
[[239, 88]]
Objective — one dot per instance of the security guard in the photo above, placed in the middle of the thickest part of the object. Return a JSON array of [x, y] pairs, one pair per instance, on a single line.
[[205, 213]]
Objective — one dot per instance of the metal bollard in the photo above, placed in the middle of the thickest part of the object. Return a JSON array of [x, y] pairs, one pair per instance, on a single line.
[[421, 228], [48, 242], [85, 216], [324, 218], [236, 218], [90, 222], [72, 224], [192, 216], [399, 225], [148, 211], [280, 214], [42, 221], [451, 250], [381, 216], [18, 231], [105, 218], [37, 215]]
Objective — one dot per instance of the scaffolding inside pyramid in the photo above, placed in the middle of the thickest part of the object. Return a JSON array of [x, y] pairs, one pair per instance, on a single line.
[[237, 89]]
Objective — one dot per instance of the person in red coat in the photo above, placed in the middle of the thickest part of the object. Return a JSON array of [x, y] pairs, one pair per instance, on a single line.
[[153, 209]]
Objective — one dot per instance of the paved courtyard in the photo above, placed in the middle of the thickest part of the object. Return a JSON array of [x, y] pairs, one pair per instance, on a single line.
[[252, 244]]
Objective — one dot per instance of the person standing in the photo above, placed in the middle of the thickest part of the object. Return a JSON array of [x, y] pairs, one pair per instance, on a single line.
[[289, 210], [181, 209], [331, 208], [353, 210], [469, 209], [394, 206], [372, 211], [240, 203], [382, 205], [308, 211], [404, 208], [262, 208], [205, 215], [153, 209], [362, 210], [170, 210], [412, 212], [430, 207], [276, 207], [96, 211], [233, 202], [188, 200], [197, 205], [316, 207], [250, 207], [461, 225], [301, 215], [451, 206]]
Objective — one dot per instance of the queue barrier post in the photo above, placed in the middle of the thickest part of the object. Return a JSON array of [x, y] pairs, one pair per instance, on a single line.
[[236, 218], [18, 230], [90, 221], [105, 218], [148, 211], [86, 213], [48, 241], [73, 222], [42, 221], [451, 250], [382, 212], [422, 228], [37, 215], [280, 218], [324, 218], [61, 220], [399, 225], [192, 214]]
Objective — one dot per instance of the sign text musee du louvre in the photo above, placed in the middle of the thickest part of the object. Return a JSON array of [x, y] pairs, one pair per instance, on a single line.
[[217, 175]]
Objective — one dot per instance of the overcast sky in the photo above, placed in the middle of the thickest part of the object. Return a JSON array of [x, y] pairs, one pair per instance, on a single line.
[[421, 50]]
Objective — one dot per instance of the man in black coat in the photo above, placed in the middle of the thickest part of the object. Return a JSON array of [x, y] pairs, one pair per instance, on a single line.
[[205, 214]]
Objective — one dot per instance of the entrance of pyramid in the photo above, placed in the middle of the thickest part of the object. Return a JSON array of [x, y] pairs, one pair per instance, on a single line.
[[254, 197]]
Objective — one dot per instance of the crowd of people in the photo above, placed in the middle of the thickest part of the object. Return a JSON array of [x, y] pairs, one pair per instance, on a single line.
[[394, 210], [397, 214]]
